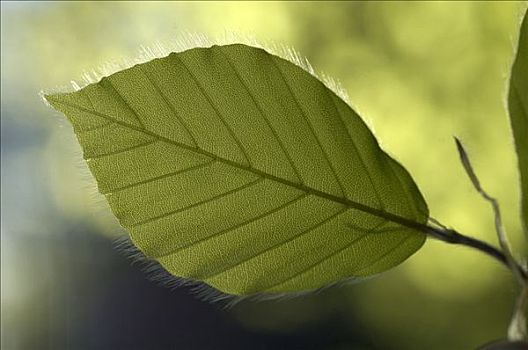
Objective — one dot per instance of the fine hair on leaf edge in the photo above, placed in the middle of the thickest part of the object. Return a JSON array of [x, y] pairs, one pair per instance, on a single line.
[[99, 205], [188, 40], [204, 292]]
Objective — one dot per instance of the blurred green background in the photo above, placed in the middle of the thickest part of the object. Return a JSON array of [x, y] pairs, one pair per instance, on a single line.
[[418, 72]]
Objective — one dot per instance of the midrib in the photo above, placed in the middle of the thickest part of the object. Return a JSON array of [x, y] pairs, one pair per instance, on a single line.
[[345, 201]]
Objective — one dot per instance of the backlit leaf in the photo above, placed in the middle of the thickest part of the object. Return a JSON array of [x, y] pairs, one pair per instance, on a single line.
[[235, 167]]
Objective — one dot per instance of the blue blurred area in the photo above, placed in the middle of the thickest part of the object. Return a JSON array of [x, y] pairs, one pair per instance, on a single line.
[[86, 296]]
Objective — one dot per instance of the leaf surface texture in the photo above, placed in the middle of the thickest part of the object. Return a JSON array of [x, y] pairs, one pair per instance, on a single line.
[[235, 167]]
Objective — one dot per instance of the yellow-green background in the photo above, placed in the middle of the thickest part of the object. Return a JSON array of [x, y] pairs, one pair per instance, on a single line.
[[418, 72]]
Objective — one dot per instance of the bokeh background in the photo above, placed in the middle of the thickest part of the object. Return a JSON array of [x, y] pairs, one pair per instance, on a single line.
[[418, 72]]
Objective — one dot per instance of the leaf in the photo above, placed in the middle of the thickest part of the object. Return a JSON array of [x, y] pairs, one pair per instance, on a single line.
[[518, 110], [232, 166]]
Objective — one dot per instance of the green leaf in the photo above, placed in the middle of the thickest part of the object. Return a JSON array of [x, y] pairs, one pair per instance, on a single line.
[[233, 166], [518, 108]]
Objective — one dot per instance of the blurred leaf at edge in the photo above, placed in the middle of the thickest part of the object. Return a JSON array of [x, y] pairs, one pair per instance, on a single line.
[[518, 111]]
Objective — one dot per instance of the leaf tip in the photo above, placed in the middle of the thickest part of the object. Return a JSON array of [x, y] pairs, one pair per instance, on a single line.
[[49, 99], [466, 163], [459, 145], [462, 152]]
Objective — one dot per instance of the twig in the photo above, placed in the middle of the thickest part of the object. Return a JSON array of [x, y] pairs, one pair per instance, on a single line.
[[499, 228], [454, 237], [517, 328]]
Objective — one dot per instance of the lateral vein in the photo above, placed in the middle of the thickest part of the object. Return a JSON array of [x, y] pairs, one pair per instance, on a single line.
[[222, 119], [152, 179], [241, 224], [328, 256], [343, 200], [305, 118], [274, 132], [198, 203], [122, 150], [279, 244]]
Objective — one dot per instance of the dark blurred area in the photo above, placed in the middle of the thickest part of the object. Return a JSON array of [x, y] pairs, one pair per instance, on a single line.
[[418, 72], [115, 307]]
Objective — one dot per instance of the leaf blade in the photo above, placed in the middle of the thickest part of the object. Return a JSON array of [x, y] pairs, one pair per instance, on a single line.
[[287, 148]]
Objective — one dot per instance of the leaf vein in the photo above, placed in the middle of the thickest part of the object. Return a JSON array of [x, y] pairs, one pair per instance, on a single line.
[[279, 244], [122, 150], [356, 149], [264, 117], [305, 118], [177, 172], [329, 256], [343, 200], [155, 218], [169, 105], [388, 252], [97, 127], [241, 224], [408, 198], [222, 119], [120, 97]]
